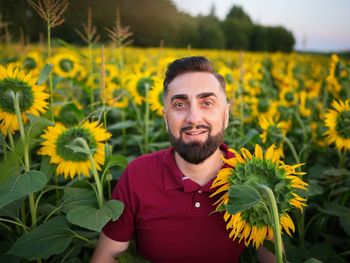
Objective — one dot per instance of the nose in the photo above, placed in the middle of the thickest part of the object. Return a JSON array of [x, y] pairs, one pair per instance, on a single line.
[[194, 115]]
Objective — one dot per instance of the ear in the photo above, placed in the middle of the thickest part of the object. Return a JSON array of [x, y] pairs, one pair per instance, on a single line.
[[227, 115]]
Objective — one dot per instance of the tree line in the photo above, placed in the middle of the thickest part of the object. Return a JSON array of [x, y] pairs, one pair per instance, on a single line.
[[153, 23]]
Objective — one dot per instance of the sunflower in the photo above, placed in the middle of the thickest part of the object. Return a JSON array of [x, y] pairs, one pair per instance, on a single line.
[[155, 97], [337, 121], [32, 62], [288, 97], [71, 163], [253, 225], [273, 132], [67, 65], [32, 98], [138, 84], [116, 96], [263, 107], [304, 104]]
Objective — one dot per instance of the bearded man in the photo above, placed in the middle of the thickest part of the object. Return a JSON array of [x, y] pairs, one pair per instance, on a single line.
[[166, 193]]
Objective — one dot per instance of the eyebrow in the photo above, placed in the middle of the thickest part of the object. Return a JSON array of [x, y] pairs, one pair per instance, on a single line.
[[200, 96]]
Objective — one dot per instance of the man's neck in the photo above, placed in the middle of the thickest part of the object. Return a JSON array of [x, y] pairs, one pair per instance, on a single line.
[[200, 173]]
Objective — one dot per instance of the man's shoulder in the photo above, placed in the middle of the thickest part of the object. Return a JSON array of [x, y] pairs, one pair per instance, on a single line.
[[149, 160]]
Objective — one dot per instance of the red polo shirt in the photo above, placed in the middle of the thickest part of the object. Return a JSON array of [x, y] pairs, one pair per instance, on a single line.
[[170, 215]]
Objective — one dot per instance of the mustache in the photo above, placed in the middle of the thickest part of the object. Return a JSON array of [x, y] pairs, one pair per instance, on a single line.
[[190, 127]]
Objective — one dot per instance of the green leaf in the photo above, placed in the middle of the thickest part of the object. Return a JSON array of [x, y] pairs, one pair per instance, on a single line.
[[117, 160], [44, 74], [335, 210], [314, 188], [122, 125], [75, 196], [242, 197], [345, 224], [44, 122], [50, 238], [78, 149], [93, 218], [116, 208], [46, 167], [337, 172], [108, 153], [20, 186]]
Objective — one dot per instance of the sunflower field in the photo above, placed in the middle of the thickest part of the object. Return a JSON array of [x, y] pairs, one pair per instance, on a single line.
[[71, 118]]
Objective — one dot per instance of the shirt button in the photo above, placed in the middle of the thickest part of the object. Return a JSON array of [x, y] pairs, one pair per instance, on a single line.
[[200, 191], [197, 204]]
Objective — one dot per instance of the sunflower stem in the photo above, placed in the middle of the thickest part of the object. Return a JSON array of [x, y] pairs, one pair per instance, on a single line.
[[25, 228], [12, 143], [50, 75], [275, 222], [342, 158], [26, 155], [292, 148], [84, 144]]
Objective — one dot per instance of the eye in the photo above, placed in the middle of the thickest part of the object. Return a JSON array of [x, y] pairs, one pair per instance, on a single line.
[[179, 105], [208, 103]]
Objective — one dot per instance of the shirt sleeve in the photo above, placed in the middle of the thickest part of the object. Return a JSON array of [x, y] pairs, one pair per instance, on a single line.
[[123, 228]]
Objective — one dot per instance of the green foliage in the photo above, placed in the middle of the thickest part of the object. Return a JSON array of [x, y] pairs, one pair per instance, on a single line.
[[50, 238], [94, 218], [19, 186], [44, 74], [242, 197]]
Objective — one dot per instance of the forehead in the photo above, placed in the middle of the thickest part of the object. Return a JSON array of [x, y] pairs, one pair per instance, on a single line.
[[194, 83]]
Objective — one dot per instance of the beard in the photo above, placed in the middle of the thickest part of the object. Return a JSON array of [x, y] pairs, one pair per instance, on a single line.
[[196, 152]]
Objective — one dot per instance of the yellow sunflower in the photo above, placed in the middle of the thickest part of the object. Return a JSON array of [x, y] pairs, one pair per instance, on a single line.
[[337, 121], [273, 132], [67, 65], [155, 97], [32, 98], [71, 163], [253, 225], [33, 62], [115, 95], [138, 84]]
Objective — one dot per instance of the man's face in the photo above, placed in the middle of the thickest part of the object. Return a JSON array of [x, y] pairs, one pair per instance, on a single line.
[[196, 113]]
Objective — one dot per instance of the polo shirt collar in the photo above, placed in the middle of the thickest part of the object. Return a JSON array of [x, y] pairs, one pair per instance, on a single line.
[[173, 178]]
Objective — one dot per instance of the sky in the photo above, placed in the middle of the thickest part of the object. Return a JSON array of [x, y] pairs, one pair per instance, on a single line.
[[317, 25]]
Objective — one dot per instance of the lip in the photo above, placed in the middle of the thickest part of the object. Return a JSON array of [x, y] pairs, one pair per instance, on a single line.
[[195, 132]]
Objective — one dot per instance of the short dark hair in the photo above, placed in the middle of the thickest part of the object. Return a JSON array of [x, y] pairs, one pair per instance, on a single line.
[[190, 64]]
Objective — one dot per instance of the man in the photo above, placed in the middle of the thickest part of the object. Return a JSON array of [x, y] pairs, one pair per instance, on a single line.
[[166, 193]]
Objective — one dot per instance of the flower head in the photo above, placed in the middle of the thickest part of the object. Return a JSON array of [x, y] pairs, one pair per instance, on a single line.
[[70, 163], [337, 120], [273, 131], [253, 225], [67, 65], [156, 97], [32, 98]]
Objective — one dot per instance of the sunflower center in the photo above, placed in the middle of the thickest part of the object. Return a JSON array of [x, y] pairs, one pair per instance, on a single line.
[[289, 96], [263, 105], [29, 63], [68, 137], [142, 85], [66, 65], [343, 124], [24, 91]]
